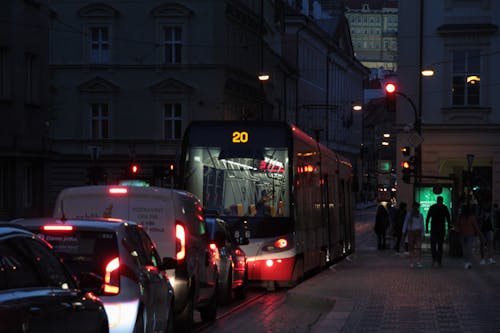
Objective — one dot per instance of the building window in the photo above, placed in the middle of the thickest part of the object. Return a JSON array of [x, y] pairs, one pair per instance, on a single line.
[[466, 78], [3, 185], [172, 121], [99, 120], [99, 45], [172, 41], [32, 72], [28, 186], [4, 74]]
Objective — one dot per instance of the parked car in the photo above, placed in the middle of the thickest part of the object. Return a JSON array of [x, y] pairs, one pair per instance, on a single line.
[[231, 261], [137, 293], [174, 220], [39, 294]]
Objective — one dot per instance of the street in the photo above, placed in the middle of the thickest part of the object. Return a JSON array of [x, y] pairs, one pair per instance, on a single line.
[[376, 291]]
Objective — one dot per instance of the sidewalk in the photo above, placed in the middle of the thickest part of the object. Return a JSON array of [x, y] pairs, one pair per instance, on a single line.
[[377, 291], [365, 205]]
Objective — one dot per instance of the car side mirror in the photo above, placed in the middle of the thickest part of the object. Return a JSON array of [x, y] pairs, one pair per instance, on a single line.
[[91, 282], [168, 263]]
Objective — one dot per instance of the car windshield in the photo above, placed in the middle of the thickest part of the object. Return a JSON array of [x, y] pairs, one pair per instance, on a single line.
[[84, 251]]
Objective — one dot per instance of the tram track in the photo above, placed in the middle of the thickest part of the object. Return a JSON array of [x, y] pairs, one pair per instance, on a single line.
[[229, 310]]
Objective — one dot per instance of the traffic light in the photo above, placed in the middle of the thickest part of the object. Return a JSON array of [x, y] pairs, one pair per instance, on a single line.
[[406, 170], [134, 169], [409, 168], [406, 151], [171, 169], [390, 96], [166, 170]]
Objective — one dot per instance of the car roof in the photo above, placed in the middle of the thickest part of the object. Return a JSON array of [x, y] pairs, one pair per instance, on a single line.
[[111, 224], [92, 189], [8, 228]]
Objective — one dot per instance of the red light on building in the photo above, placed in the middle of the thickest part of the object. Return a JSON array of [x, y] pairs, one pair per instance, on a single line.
[[390, 87]]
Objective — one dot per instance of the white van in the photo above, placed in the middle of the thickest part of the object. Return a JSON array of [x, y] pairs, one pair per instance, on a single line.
[[174, 221]]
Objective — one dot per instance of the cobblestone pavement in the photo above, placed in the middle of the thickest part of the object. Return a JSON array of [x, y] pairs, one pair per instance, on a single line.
[[377, 291]]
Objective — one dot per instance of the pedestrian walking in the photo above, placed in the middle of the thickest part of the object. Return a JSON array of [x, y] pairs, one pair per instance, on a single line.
[[381, 225], [399, 220], [414, 227], [469, 229], [486, 227], [438, 216]]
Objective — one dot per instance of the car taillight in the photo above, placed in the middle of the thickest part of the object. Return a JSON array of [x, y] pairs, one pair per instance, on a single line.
[[215, 251], [180, 242], [112, 277], [57, 228], [117, 190]]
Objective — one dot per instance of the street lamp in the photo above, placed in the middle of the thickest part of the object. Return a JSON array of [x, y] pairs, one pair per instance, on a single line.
[[426, 71], [263, 76]]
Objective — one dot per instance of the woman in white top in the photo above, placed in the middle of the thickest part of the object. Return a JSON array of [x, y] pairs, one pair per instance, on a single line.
[[414, 226]]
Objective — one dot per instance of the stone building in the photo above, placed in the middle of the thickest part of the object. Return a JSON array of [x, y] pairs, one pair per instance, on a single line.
[[24, 106], [459, 107], [127, 77]]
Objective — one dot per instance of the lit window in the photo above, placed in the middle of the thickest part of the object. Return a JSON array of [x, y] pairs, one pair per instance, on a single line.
[[466, 78]]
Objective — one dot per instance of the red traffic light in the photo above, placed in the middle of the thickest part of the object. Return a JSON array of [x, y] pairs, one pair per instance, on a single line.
[[134, 169], [390, 87], [405, 164]]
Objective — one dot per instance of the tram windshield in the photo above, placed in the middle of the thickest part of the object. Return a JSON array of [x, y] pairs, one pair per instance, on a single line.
[[239, 182]]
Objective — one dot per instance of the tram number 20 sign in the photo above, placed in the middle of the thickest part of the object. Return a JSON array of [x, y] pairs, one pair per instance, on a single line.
[[240, 137]]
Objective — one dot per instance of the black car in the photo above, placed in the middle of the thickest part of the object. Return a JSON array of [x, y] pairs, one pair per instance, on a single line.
[[39, 294], [231, 260], [137, 293]]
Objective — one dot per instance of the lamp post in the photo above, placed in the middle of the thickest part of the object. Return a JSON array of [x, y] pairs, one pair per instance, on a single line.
[[470, 161], [263, 76]]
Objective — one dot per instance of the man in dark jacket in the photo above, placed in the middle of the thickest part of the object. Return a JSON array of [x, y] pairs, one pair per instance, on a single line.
[[438, 215]]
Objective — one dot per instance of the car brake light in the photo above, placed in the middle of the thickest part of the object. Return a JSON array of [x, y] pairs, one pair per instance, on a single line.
[[57, 227], [180, 242], [215, 251], [281, 243], [112, 277], [117, 190]]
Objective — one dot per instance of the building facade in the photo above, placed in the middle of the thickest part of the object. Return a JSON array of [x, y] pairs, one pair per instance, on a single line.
[[24, 106], [458, 106], [126, 78], [374, 28]]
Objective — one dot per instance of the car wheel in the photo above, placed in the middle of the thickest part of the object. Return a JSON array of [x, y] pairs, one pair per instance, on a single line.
[[184, 320], [208, 312], [241, 292], [140, 322], [225, 291]]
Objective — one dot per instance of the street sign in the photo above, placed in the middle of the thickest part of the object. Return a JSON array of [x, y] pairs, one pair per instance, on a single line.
[[415, 140]]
